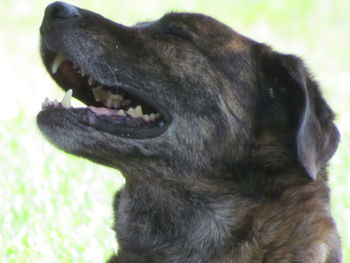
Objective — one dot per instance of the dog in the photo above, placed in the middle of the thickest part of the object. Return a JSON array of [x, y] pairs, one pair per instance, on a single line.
[[223, 142]]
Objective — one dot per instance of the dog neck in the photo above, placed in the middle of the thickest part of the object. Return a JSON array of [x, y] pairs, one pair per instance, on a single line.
[[194, 219]]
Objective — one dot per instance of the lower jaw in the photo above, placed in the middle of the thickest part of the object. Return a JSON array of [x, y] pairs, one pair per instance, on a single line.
[[126, 127]]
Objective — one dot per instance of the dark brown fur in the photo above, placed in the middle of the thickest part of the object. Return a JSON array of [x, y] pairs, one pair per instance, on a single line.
[[239, 176]]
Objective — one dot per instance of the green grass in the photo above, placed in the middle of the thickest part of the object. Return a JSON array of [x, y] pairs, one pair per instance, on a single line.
[[57, 208]]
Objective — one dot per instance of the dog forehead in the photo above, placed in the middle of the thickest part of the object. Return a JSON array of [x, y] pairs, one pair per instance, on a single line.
[[195, 22], [201, 29]]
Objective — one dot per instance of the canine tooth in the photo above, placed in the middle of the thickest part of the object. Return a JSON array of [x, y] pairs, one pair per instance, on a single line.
[[91, 80], [66, 101], [138, 111], [57, 62], [121, 112], [157, 115]]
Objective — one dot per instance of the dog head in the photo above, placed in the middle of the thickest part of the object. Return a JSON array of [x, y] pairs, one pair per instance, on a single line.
[[208, 96]]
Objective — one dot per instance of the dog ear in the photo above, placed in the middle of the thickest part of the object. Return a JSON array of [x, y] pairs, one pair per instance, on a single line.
[[291, 101]]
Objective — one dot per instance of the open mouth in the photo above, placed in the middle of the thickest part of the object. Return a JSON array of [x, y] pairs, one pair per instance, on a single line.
[[113, 109]]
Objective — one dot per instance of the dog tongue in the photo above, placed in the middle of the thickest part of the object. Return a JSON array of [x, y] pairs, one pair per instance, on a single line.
[[103, 111], [107, 118], [114, 116]]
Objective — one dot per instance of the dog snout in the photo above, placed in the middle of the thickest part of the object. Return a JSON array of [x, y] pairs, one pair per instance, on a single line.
[[58, 12]]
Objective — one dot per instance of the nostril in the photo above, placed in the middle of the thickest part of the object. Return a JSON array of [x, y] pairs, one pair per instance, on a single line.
[[61, 10]]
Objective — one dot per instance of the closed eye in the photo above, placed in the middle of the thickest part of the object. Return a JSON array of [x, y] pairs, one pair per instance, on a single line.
[[172, 32]]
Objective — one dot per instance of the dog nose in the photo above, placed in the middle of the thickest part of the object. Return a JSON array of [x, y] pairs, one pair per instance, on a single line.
[[61, 10], [58, 12]]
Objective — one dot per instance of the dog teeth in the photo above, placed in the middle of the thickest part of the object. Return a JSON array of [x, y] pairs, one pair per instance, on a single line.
[[66, 101], [121, 112], [55, 103], [110, 100], [107, 97], [135, 112], [138, 111], [117, 99], [146, 117], [45, 103], [98, 93], [131, 112], [57, 62], [152, 117], [102, 95]]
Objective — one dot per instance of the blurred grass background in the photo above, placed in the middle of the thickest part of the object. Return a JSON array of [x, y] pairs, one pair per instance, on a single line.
[[57, 208]]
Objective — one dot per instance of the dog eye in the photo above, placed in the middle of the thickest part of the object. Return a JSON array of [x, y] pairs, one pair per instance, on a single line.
[[171, 32]]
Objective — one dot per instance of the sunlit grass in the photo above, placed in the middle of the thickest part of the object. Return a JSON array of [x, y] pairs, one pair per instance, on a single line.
[[57, 208], [54, 207]]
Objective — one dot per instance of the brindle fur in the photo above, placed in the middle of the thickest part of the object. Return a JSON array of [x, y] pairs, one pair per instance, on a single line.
[[240, 174]]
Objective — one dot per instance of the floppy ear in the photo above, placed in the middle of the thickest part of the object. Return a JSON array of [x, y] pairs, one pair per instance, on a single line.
[[288, 88]]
